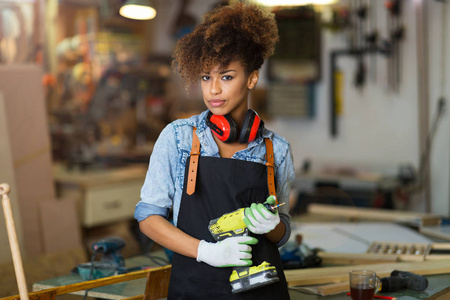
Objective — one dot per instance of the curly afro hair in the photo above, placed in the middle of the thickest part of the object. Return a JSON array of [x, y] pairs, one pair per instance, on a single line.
[[239, 32]]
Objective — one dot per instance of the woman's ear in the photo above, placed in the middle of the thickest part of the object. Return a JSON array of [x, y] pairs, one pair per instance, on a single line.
[[252, 79]]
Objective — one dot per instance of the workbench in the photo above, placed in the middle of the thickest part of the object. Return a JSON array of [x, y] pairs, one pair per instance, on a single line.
[[338, 237], [123, 290], [437, 283], [103, 195]]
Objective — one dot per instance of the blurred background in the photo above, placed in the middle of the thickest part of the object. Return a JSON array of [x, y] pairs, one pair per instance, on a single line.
[[358, 88]]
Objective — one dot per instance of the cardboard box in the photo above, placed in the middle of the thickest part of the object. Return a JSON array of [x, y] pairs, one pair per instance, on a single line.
[[29, 141]]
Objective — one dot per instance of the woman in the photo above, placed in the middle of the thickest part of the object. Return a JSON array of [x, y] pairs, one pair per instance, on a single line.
[[215, 162]]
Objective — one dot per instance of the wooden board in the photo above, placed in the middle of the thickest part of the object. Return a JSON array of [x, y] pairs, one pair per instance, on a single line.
[[440, 231], [442, 295], [358, 213], [325, 289], [340, 274], [333, 258]]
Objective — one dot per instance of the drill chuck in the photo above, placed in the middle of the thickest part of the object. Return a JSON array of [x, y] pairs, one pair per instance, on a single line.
[[403, 280]]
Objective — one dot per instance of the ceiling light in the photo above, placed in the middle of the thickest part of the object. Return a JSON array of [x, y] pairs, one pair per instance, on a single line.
[[138, 10], [294, 2]]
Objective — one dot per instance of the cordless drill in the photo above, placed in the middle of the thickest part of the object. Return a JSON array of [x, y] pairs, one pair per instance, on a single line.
[[243, 278], [401, 280]]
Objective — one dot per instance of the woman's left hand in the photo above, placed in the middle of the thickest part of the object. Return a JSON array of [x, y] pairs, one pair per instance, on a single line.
[[259, 219]]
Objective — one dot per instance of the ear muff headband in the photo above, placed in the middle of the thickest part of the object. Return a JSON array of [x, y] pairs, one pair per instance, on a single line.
[[224, 127], [250, 127]]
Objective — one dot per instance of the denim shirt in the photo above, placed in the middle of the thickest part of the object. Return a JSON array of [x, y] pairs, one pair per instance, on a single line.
[[163, 186]]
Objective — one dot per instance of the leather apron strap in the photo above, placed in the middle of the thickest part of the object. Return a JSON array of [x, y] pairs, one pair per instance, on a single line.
[[193, 165], [270, 168]]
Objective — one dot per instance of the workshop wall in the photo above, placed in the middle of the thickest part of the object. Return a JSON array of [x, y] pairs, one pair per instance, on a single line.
[[379, 128]]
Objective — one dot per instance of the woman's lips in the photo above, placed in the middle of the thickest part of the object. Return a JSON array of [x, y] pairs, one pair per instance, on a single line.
[[216, 102]]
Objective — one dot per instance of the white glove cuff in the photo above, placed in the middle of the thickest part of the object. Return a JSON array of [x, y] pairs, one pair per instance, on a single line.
[[201, 249]]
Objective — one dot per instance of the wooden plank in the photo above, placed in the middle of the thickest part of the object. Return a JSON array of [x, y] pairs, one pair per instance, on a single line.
[[442, 295], [373, 214], [324, 290], [13, 242], [340, 274], [157, 284], [333, 258], [138, 297]]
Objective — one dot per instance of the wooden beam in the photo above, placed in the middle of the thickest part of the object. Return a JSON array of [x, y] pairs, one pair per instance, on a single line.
[[358, 213], [48, 294], [326, 275], [334, 258]]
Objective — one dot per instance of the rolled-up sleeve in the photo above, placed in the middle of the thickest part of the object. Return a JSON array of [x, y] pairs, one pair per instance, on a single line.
[[159, 187]]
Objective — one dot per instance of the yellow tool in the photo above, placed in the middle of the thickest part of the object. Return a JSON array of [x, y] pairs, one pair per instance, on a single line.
[[243, 278]]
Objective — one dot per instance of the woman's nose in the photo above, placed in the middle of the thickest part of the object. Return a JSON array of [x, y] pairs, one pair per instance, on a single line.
[[215, 87]]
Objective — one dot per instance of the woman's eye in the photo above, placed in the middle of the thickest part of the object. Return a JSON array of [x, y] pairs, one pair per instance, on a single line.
[[205, 78], [227, 77]]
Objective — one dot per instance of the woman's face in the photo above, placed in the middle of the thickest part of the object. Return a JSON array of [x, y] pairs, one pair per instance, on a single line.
[[225, 90]]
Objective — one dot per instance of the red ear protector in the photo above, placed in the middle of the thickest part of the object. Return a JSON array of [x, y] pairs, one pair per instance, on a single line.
[[226, 129]]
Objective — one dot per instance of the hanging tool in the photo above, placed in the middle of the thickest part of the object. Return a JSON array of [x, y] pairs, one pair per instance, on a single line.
[[361, 15], [336, 77], [403, 280], [243, 278], [372, 37], [363, 40], [13, 243], [396, 31]]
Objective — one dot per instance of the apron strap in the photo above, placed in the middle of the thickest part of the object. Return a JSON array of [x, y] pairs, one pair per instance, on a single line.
[[193, 164], [270, 167]]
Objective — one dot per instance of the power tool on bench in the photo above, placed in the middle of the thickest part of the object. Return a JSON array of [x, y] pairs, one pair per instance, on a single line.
[[403, 280], [243, 278], [111, 249], [110, 263]]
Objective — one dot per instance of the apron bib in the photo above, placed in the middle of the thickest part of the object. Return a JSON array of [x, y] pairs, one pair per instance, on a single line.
[[222, 186]]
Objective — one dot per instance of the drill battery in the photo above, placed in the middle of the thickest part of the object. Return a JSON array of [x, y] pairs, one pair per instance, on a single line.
[[247, 278]]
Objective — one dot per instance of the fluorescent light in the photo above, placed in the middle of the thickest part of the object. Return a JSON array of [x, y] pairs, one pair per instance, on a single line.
[[138, 10], [294, 2]]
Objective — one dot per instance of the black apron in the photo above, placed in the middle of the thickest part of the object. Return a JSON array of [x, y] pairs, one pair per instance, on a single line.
[[222, 186]]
